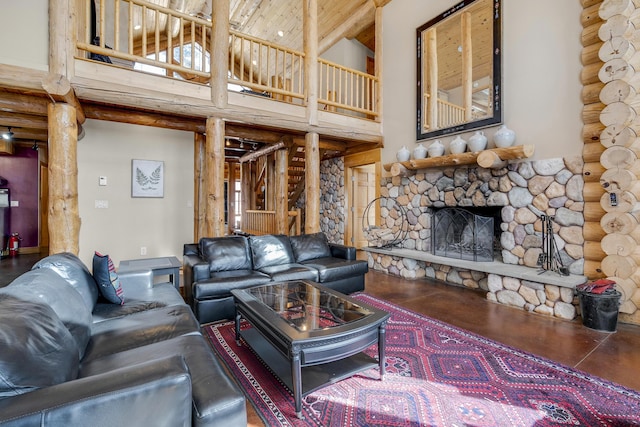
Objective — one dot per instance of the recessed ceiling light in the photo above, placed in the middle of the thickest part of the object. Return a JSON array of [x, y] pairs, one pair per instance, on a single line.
[[280, 33], [137, 27]]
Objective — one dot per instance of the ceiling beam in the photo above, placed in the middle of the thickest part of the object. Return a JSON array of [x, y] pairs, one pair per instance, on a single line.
[[19, 120], [349, 28], [18, 103]]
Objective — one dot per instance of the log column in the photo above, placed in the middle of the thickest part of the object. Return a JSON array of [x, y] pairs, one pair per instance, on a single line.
[[231, 196], [591, 131], [310, 19], [312, 183], [618, 249], [219, 52], [64, 219], [215, 177], [282, 190], [200, 190]]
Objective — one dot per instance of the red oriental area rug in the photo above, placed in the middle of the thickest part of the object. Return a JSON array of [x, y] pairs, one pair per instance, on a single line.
[[436, 375]]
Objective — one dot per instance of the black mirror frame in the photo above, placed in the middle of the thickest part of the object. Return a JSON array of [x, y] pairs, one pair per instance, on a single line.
[[496, 118]]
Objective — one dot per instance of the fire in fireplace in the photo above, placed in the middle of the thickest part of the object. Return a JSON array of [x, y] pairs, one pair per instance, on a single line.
[[463, 234]]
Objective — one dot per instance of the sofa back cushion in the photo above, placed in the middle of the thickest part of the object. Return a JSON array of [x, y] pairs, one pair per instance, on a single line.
[[37, 349], [270, 250], [226, 253], [70, 267], [46, 287], [310, 246]]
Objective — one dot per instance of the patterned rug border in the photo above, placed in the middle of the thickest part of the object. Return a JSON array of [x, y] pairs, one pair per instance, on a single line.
[[248, 382]]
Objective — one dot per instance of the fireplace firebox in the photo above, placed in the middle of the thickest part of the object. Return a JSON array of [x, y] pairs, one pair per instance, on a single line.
[[462, 234]]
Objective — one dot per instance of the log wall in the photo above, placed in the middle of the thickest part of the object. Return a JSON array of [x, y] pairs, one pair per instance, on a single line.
[[612, 147]]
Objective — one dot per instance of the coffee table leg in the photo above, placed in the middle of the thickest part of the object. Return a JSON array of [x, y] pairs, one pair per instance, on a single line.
[[382, 333], [296, 375], [237, 327]]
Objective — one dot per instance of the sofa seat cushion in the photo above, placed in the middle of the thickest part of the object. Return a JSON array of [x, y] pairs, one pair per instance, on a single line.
[[226, 253], [72, 269], [217, 400], [292, 271], [138, 329], [270, 250], [37, 350], [330, 269], [47, 287], [310, 246], [222, 283], [139, 298]]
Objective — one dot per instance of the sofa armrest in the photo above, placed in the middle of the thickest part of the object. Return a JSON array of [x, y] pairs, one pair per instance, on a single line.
[[343, 251], [136, 278], [117, 398], [194, 269]]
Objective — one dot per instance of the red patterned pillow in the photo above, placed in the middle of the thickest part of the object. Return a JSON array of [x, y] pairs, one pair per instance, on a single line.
[[104, 273]]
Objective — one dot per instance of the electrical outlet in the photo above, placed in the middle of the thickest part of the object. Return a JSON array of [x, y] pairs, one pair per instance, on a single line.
[[143, 250]]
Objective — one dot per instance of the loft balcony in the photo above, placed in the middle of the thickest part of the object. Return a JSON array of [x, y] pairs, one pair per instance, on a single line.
[[144, 56]]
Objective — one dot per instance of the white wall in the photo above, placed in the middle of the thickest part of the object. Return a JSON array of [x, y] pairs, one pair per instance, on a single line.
[[24, 33], [540, 72], [162, 225]]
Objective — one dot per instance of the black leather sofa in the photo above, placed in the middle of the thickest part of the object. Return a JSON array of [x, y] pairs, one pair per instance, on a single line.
[[69, 358], [216, 265]]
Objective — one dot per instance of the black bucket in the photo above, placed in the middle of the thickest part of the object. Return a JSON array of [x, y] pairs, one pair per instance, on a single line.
[[600, 311]]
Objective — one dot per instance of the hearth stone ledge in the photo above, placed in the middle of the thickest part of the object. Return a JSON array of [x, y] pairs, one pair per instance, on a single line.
[[546, 293]]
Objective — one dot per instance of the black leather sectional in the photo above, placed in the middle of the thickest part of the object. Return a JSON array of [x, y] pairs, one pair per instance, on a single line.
[[68, 358], [216, 265]]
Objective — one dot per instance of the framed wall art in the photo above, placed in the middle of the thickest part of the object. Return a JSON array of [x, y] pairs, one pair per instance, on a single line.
[[147, 178]]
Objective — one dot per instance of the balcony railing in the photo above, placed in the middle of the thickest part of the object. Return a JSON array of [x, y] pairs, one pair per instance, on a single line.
[[266, 67], [154, 39], [342, 88], [137, 32]]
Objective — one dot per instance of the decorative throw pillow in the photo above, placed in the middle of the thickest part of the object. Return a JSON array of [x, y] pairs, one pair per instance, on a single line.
[[107, 279]]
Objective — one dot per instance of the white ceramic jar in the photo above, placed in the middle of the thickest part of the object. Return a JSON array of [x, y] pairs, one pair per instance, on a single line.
[[420, 152], [477, 142], [403, 154], [504, 137], [458, 145], [436, 149]]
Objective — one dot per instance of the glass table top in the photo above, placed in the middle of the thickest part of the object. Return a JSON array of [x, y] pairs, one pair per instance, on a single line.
[[306, 307]]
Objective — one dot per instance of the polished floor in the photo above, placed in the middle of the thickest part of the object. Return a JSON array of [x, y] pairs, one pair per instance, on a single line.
[[612, 356]]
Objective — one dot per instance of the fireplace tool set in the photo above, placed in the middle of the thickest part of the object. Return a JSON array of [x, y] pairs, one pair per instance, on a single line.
[[549, 259]]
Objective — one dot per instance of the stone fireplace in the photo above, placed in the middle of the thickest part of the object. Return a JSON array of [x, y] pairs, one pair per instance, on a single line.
[[520, 194], [465, 233]]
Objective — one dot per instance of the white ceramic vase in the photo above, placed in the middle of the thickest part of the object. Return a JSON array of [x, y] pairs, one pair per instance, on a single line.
[[458, 145], [477, 142], [420, 152], [436, 149], [504, 137], [403, 154]]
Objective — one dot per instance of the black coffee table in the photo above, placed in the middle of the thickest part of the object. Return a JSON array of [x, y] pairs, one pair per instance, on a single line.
[[309, 335]]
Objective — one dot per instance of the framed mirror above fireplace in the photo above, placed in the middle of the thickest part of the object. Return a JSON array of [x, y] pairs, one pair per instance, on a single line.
[[459, 79]]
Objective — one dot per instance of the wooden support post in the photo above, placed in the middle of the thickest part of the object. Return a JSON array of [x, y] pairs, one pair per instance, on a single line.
[[281, 191], [231, 196], [219, 52], [312, 183], [215, 177], [64, 217], [62, 33], [245, 191], [200, 195], [310, 36]]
